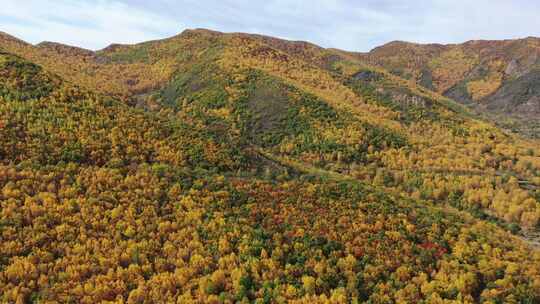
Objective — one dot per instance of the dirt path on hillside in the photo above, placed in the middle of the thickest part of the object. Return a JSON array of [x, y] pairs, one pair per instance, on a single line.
[[532, 237]]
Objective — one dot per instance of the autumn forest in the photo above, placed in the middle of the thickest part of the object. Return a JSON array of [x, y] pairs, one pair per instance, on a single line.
[[237, 168]]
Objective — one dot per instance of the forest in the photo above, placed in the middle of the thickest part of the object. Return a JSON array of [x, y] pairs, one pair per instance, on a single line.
[[235, 168]]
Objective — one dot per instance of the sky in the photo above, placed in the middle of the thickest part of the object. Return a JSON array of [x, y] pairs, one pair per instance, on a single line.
[[355, 25]]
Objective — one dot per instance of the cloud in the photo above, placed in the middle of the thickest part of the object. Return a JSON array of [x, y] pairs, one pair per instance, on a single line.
[[346, 24], [92, 25]]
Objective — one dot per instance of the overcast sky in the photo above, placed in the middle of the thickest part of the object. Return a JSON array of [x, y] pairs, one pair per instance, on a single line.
[[347, 24]]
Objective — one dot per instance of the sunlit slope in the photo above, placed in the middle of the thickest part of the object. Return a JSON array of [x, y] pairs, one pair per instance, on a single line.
[[324, 108]]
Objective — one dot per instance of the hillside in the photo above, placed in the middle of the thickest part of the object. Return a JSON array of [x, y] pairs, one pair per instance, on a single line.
[[211, 167], [497, 78]]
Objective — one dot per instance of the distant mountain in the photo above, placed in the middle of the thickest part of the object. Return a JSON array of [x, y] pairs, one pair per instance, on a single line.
[[496, 77], [219, 168]]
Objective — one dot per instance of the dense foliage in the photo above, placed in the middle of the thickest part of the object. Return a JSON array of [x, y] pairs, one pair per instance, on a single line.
[[213, 168]]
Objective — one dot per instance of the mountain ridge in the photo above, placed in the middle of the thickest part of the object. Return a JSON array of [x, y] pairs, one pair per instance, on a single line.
[[390, 43]]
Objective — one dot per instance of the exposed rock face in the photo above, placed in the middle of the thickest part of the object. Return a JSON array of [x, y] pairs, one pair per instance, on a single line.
[[518, 67], [411, 100], [367, 76], [512, 68], [518, 96]]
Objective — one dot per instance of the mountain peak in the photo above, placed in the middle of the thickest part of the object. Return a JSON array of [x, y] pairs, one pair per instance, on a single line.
[[199, 31], [408, 44], [64, 48], [5, 37]]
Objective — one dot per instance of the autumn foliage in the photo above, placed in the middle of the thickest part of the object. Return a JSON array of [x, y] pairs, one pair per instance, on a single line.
[[230, 168]]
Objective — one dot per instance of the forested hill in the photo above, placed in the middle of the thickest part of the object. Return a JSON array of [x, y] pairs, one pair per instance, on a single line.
[[499, 79], [223, 168]]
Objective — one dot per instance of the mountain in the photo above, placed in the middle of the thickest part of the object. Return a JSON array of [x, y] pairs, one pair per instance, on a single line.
[[498, 78], [219, 168]]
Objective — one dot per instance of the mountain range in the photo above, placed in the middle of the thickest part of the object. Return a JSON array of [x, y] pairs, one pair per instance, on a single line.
[[217, 167], [499, 78]]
